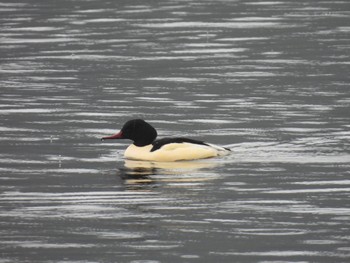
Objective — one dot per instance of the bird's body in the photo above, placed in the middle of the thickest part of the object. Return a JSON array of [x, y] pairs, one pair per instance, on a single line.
[[171, 152], [146, 148]]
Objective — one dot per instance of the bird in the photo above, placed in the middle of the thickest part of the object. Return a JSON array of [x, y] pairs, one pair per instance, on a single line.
[[145, 147]]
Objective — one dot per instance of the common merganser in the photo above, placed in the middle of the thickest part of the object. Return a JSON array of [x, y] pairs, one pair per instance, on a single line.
[[145, 146]]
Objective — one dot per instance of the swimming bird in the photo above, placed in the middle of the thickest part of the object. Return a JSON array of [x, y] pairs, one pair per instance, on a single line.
[[145, 146]]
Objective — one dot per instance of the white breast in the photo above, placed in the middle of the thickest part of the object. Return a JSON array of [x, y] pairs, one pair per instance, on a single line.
[[174, 152]]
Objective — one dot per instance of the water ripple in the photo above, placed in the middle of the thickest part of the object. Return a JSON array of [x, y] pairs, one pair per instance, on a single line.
[[269, 79]]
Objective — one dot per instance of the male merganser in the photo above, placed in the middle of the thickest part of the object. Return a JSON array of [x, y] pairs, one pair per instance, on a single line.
[[145, 146]]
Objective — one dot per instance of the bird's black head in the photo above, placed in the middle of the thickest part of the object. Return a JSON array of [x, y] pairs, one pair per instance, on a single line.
[[137, 130]]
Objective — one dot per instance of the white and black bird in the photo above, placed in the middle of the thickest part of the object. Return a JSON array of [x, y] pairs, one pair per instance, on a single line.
[[145, 146]]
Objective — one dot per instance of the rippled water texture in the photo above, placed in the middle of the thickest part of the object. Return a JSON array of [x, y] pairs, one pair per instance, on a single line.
[[270, 79]]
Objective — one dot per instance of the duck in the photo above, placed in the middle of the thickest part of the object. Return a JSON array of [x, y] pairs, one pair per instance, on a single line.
[[145, 147]]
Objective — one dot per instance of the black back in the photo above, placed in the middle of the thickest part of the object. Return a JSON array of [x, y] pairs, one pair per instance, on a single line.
[[161, 142]]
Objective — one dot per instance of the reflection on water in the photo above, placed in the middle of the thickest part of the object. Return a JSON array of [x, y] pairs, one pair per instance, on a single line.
[[138, 174], [269, 79], [170, 167]]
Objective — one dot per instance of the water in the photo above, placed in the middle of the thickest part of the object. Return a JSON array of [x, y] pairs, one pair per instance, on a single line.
[[267, 78]]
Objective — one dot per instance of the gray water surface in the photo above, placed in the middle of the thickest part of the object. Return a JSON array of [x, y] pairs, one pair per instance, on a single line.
[[269, 79]]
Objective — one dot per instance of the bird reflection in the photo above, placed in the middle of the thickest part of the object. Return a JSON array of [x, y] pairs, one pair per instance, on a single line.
[[145, 175]]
